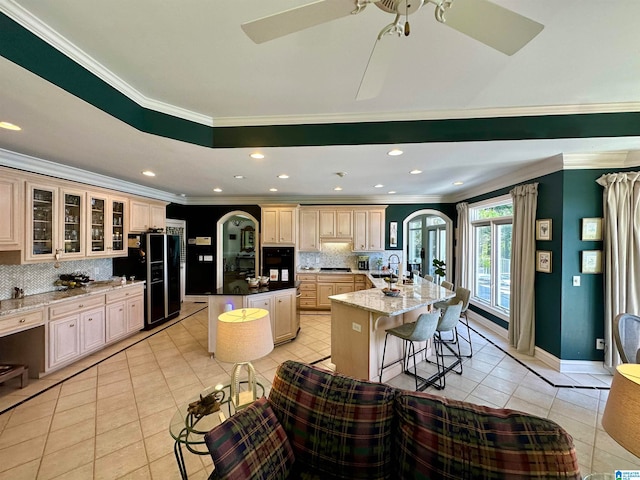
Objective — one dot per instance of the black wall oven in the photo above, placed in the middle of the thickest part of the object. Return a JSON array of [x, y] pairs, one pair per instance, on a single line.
[[278, 265]]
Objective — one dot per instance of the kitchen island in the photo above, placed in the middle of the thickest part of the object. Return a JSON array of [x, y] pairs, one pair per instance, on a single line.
[[359, 320], [277, 298]]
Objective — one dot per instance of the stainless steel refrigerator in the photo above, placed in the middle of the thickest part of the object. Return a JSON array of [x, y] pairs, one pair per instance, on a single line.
[[154, 257]]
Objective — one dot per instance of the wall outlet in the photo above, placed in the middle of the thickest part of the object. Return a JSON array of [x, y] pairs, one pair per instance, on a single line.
[[599, 343], [576, 280], [356, 326]]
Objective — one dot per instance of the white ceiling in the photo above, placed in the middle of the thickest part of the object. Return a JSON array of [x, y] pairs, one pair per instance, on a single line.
[[190, 58]]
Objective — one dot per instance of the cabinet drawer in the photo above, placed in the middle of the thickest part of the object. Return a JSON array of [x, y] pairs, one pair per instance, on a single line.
[[306, 276], [124, 293], [308, 294], [65, 308], [14, 323], [307, 287], [335, 278], [308, 302]]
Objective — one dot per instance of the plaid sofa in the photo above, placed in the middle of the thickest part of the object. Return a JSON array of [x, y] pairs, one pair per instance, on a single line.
[[320, 425]]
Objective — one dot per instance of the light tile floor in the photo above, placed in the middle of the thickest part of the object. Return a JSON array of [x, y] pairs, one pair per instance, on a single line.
[[107, 416]]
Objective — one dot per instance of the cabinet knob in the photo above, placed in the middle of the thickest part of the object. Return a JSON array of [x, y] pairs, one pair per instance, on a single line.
[[120, 310], [22, 320], [72, 325], [81, 305], [91, 319]]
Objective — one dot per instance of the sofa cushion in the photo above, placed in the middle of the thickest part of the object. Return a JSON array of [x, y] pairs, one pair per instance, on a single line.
[[439, 438], [337, 425], [250, 445]]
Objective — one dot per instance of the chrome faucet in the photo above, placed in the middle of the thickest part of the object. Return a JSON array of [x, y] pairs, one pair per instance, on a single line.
[[396, 263]]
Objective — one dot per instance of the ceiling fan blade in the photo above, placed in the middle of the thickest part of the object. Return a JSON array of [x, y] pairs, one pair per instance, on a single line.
[[297, 19], [491, 24], [377, 67]]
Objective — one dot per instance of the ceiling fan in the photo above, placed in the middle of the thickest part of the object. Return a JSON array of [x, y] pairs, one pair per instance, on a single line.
[[482, 20]]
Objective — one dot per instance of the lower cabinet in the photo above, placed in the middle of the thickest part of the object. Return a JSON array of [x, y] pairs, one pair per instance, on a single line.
[[125, 313], [282, 312], [73, 336], [332, 285]]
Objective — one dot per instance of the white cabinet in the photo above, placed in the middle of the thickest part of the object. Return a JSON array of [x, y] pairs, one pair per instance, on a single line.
[[282, 312], [336, 223], [309, 240], [278, 225], [368, 230], [42, 222], [11, 211], [145, 215], [124, 312], [106, 225], [75, 328]]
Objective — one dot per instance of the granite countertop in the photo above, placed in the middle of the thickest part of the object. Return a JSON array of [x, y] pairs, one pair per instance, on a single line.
[[420, 294], [31, 302], [241, 287]]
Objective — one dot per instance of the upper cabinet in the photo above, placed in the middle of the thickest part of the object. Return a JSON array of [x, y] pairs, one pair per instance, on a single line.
[[309, 239], [363, 226], [106, 225], [42, 222], [336, 223], [279, 224], [144, 215], [11, 211]]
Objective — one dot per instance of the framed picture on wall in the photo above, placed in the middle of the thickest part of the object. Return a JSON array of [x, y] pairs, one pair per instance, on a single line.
[[591, 229], [393, 234], [543, 229], [543, 261], [591, 261]]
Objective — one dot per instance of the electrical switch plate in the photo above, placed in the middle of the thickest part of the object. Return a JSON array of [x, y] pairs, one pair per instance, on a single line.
[[599, 343], [356, 326], [576, 280]]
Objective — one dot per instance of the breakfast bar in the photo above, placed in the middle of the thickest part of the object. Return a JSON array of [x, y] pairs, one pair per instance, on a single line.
[[359, 320]]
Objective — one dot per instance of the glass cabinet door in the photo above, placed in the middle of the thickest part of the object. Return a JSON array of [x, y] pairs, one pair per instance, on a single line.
[[98, 217], [73, 205], [42, 222], [117, 225]]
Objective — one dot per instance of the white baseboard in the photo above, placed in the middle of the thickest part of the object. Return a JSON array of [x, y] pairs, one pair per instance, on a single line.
[[563, 366]]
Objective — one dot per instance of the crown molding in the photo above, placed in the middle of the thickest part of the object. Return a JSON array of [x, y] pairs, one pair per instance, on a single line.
[[30, 164], [310, 200], [43, 31], [584, 161]]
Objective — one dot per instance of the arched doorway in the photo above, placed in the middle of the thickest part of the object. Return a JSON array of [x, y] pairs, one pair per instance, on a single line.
[[428, 235], [238, 252]]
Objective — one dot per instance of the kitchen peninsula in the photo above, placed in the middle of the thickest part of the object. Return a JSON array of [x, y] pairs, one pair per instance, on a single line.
[[359, 320], [278, 299]]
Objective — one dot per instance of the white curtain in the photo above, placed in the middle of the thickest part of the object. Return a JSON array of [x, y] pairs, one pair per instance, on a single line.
[[463, 245], [621, 201], [522, 316]]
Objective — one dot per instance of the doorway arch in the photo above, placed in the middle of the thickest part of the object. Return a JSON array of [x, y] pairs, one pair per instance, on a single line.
[[221, 227], [448, 228]]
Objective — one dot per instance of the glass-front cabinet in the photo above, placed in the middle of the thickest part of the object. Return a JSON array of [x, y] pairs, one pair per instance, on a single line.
[[72, 214], [106, 232], [42, 213]]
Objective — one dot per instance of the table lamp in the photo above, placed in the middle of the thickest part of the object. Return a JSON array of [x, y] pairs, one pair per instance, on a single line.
[[621, 419], [243, 335]]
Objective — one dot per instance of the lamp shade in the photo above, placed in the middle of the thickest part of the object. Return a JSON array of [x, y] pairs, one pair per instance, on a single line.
[[621, 419], [243, 335]]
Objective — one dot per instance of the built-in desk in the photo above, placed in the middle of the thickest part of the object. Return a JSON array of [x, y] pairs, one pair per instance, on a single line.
[[359, 320]]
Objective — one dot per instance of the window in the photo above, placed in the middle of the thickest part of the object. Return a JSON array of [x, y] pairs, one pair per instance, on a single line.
[[427, 241], [491, 227]]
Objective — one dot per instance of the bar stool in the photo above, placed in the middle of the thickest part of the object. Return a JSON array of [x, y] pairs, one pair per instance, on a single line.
[[462, 294], [419, 331], [447, 285], [447, 323], [428, 277]]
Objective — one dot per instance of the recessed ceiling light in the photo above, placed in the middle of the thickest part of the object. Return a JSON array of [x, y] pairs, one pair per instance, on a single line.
[[415, 172], [395, 152], [273, 189], [239, 177], [391, 192], [284, 175], [10, 126], [148, 173], [217, 189], [458, 183], [337, 189], [257, 155], [378, 185]]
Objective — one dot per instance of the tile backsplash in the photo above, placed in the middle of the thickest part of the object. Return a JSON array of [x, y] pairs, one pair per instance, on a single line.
[[39, 278], [340, 255]]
